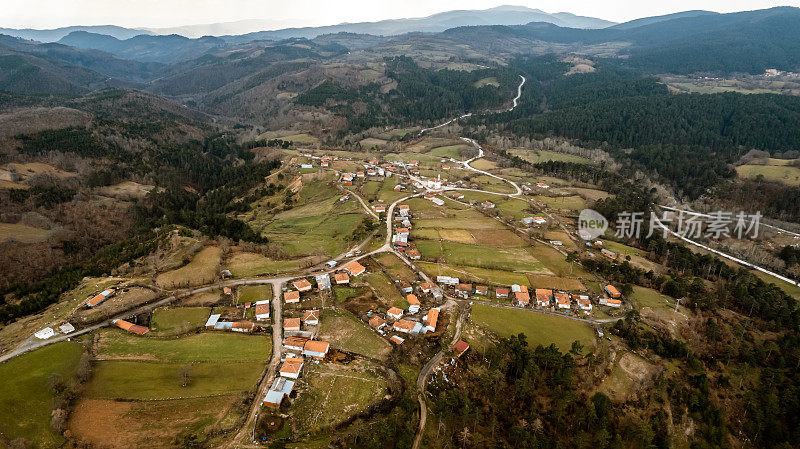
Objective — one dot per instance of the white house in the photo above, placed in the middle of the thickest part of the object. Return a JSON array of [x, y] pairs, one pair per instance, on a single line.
[[45, 333], [262, 310]]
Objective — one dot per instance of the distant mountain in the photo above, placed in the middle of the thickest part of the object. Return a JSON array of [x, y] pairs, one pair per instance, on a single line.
[[58, 33], [655, 19], [145, 48], [501, 15]]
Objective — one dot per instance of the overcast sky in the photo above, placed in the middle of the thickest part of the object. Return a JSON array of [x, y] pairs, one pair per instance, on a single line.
[[168, 13]]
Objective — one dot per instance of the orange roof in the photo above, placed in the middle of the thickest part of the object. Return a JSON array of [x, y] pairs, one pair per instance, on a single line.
[[354, 268], [291, 296], [341, 277], [242, 325], [562, 298], [464, 287], [544, 294], [292, 365], [291, 323], [377, 322], [97, 299], [433, 317], [302, 284], [262, 309], [403, 207], [130, 327], [412, 299], [404, 324], [316, 346], [311, 315], [612, 290], [426, 286], [297, 342], [523, 297], [395, 311], [613, 301]]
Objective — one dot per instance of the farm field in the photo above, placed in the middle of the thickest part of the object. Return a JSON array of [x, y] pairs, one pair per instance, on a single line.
[[203, 268], [534, 156], [212, 346], [540, 328], [449, 151], [245, 265], [647, 297], [574, 202], [253, 293], [623, 249], [395, 267], [473, 274], [555, 283], [457, 219], [22, 233], [335, 392], [510, 259], [556, 262], [25, 397], [178, 320], [781, 173], [347, 333], [384, 287]]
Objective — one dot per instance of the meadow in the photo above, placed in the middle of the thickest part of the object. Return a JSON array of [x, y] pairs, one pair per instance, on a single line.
[[203, 268], [347, 333]]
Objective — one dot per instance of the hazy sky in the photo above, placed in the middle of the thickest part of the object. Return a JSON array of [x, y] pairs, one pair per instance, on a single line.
[[167, 13]]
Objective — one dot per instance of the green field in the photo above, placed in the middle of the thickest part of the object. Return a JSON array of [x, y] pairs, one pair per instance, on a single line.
[[473, 274], [246, 265], [383, 286], [647, 297], [127, 379], [556, 262], [449, 151], [781, 173], [343, 292], [204, 347], [540, 328], [347, 333], [574, 202], [178, 320], [253, 293], [25, 397], [509, 259], [623, 250], [396, 268]]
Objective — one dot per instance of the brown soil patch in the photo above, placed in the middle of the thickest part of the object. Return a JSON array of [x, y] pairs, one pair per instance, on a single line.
[[497, 237], [362, 304], [203, 299], [556, 283]]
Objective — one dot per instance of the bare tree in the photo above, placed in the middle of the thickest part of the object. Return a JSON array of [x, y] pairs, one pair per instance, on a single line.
[[185, 375]]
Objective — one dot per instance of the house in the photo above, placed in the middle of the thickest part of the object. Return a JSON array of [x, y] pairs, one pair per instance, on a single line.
[[437, 201], [311, 317], [212, 320], [354, 268], [584, 234], [317, 349], [295, 343], [302, 285], [542, 185], [262, 310], [426, 287], [413, 303], [407, 327], [562, 300], [610, 302], [291, 297], [482, 290], [488, 205], [413, 254], [399, 240], [609, 254], [291, 367], [397, 340], [405, 287], [464, 290], [377, 323], [447, 280], [612, 291], [45, 333], [516, 288], [404, 209], [583, 302], [501, 293], [460, 347], [227, 291], [281, 388], [100, 297], [291, 324], [395, 313], [522, 298], [401, 231], [243, 326], [342, 278], [360, 174], [66, 328], [331, 263], [379, 209], [130, 327], [543, 297], [323, 281], [431, 319]]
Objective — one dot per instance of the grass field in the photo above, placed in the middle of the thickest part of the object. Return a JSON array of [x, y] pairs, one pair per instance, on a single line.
[[346, 332], [456, 235], [473, 274], [575, 202], [383, 286], [203, 269], [395, 267], [371, 142], [623, 250], [791, 290], [556, 283], [343, 292], [203, 347], [245, 265], [336, 392], [449, 151], [25, 398], [22, 233], [458, 219], [178, 320], [483, 164], [540, 328], [781, 173], [509, 259], [556, 262], [646, 297], [253, 293]]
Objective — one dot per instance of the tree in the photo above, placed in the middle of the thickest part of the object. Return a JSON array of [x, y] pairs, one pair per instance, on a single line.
[[576, 348], [572, 258], [185, 375]]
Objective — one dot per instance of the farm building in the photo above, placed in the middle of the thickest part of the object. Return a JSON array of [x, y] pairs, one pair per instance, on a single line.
[[130, 327], [212, 321], [437, 201], [426, 287], [543, 297], [407, 327], [379, 209], [488, 205], [447, 280], [610, 302], [223, 325], [397, 340], [302, 285], [377, 322], [311, 317], [66, 328], [522, 298], [243, 326], [609, 254], [501, 293], [323, 281], [291, 367], [291, 297], [291, 324], [562, 300], [405, 287], [262, 310], [482, 290], [395, 313], [413, 254], [45, 333], [413, 303], [431, 319], [354, 268], [100, 297], [612, 291], [317, 349], [295, 343], [281, 388], [583, 302], [464, 290], [342, 278]]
